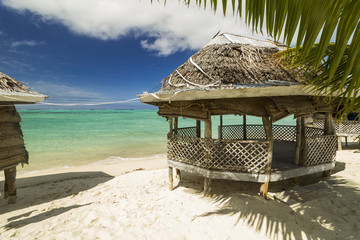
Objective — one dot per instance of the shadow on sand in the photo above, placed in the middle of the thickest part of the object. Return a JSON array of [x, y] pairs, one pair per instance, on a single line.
[[33, 191], [295, 213]]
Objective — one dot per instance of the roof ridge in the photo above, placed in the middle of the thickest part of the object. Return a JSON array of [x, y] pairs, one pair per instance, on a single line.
[[255, 39]]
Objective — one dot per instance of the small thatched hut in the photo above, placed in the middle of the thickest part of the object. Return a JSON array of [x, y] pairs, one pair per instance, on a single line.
[[344, 128], [239, 75], [12, 148]]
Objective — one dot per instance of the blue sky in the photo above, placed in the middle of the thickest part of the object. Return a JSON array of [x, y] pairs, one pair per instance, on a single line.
[[101, 50]]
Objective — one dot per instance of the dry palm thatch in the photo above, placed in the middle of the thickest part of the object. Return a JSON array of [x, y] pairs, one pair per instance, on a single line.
[[230, 65], [9, 84]]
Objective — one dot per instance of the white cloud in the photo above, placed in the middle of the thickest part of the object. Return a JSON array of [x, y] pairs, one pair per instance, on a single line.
[[29, 43], [164, 29]]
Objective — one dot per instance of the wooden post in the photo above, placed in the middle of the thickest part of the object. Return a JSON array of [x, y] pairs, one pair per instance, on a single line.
[[208, 135], [339, 143], [176, 125], [10, 186], [329, 126], [170, 125], [302, 151], [220, 127], [198, 128], [298, 141], [328, 130], [171, 179], [178, 174], [207, 187], [269, 137], [244, 127]]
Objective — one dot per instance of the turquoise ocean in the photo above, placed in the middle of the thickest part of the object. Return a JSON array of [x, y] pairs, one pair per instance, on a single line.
[[63, 138]]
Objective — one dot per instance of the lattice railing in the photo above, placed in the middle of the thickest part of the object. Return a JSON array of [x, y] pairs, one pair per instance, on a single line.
[[284, 133], [346, 126], [187, 131], [232, 153], [257, 132], [232, 132], [320, 149], [313, 132], [216, 154]]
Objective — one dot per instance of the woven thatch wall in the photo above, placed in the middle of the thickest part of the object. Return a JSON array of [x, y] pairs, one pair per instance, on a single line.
[[226, 65], [12, 148]]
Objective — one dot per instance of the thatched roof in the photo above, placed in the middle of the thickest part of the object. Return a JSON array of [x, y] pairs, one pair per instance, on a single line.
[[231, 61], [235, 75], [13, 91]]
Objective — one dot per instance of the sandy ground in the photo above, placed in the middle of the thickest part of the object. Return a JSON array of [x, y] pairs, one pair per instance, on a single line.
[[102, 201]]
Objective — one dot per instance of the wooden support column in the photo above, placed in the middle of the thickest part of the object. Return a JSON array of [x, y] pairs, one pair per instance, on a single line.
[[176, 124], [329, 126], [208, 135], [328, 130], [207, 187], [170, 125], [244, 127], [269, 137], [198, 128], [340, 143], [220, 127], [178, 174], [300, 147], [298, 141], [300, 151], [9, 185], [171, 179]]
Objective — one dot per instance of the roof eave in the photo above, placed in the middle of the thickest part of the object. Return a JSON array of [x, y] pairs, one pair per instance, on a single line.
[[271, 91], [24, 98]]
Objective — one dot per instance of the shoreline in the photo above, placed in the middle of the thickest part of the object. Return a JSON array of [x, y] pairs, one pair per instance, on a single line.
[[116, 168]]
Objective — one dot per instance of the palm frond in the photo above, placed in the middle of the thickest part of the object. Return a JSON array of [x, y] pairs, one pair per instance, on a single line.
[[305, 21]]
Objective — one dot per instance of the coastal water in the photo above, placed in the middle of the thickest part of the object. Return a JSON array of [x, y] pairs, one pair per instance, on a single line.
[[60, 138]]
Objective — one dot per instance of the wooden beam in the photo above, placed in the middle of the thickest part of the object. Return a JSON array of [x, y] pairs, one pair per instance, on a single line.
[[244, 127]]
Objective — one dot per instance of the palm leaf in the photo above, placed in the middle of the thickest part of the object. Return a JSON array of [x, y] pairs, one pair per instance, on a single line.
[[336, 66]]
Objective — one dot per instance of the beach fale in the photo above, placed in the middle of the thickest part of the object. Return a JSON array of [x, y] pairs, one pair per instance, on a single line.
[[239, 75], [343, 128], [12, 147]]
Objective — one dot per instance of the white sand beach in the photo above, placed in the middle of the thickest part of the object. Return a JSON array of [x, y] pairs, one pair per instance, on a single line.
[[131, 200]]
